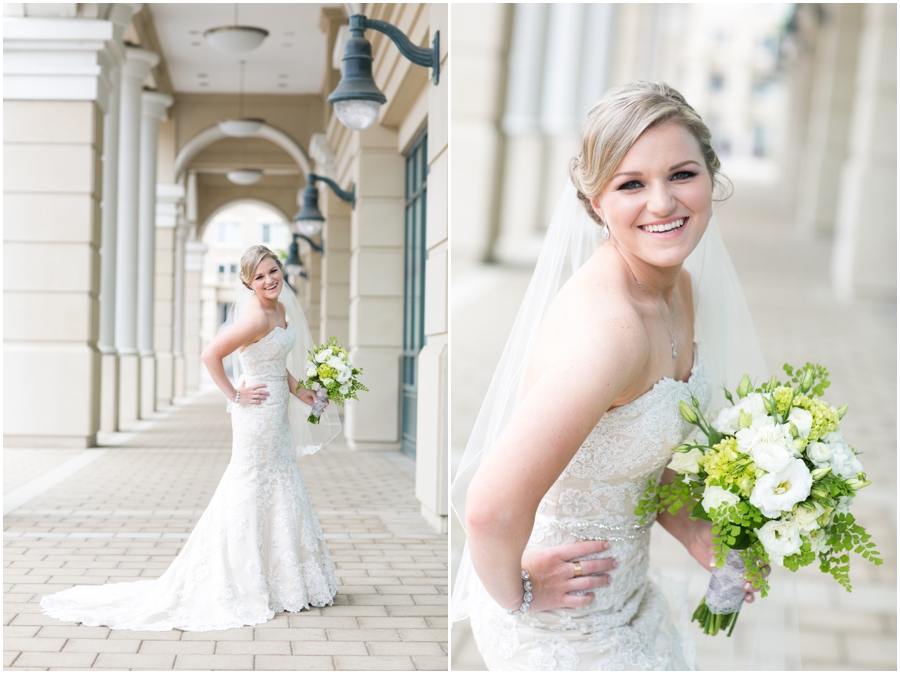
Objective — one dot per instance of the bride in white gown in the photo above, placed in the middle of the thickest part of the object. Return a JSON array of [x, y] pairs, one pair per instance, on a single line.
[[258, 549], [583, 409]]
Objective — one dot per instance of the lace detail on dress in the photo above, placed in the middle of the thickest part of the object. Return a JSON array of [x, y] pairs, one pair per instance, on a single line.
[[628, 625], [257, 550]]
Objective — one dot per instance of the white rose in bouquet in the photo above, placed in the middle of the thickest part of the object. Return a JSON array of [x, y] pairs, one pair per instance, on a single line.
[[818, 452], [344, 376], [336, 363], [780, 539], [765, 430], [345, 389], [802, 420], [806, 518], [686, 462], [715, 497], [775, 493], [770, 456], [323, 355], [311, 371], [729, 418]]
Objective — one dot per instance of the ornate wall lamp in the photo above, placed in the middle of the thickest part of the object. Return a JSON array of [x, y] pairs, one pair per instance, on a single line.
[[309, 220], [357, 98]]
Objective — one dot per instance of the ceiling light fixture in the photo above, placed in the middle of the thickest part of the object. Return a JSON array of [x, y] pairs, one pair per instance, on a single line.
[[235, 39], [242, 126], [245, 176]]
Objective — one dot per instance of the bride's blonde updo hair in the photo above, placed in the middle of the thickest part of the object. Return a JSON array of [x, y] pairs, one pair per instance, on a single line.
[[615, 123], [250, 261]]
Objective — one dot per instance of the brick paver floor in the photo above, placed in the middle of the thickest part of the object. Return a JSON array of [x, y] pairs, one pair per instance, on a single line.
[[127, 514], [785, 278]]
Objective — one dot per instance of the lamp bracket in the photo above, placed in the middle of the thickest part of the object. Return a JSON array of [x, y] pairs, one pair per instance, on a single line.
[[343, 195], [319, 248], [422, 56]]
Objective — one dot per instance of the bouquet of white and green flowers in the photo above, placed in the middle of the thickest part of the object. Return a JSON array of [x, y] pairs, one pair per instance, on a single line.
[[332, 376], [776, 478]]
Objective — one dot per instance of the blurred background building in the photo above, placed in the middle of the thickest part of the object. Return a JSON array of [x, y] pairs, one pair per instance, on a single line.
[[801, 100], [802, 96], [127, 205]]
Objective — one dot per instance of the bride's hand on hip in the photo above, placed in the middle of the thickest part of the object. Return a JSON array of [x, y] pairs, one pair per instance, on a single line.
[[701, 548], [254, 394], [554, 575]]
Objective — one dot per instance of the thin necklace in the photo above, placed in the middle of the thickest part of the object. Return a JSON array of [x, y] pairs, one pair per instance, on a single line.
[[674, 347]]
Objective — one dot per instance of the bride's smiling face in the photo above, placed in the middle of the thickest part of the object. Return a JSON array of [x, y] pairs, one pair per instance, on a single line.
[[658, 204], [267, 279]]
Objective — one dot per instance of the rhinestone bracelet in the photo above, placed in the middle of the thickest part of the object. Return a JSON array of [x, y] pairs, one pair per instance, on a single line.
[[237, 396], [526, 599]]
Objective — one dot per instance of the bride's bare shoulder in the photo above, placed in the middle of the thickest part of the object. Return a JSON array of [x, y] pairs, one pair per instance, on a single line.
[[595, 313]]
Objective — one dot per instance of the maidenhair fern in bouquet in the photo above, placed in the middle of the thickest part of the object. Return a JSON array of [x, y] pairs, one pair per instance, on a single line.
[[332, 376], [776, 478]]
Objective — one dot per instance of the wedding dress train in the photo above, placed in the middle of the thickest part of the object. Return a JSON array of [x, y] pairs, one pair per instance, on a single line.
[[257, 550], [628, 625]]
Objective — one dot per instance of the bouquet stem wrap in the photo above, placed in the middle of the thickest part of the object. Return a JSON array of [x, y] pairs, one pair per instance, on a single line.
[[319, 406], [724, 596]]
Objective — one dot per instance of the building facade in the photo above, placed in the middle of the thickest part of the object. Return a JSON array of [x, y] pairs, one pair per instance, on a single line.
[[115, 167], [801, 95]]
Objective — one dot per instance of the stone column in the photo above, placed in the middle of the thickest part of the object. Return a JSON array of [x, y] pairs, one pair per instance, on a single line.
[[432, 422], [335, 310], [864, 256], [828, 124], [109, 361], [138, 63], [55, 91], [312, 289], [168, 200], [178, 385], [376, 288], [481, 45], [153, 108], [193, 282]]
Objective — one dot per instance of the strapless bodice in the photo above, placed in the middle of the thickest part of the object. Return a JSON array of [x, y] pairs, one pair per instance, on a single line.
[[264, 360]]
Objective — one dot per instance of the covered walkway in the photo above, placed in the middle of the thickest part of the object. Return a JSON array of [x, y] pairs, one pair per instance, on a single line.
[[123, 511]]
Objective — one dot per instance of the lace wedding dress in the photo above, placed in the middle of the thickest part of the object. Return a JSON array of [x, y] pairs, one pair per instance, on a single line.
[[257, 550], [628, 625]]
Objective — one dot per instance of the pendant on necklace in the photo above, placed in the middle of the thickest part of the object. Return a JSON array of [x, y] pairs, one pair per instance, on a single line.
[[674, 351]]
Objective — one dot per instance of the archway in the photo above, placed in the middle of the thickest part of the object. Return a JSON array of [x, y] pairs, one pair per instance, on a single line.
[[212, 134]]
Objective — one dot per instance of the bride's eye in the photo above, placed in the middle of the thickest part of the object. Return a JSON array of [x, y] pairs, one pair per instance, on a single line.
[[683, 175], [630, 185]]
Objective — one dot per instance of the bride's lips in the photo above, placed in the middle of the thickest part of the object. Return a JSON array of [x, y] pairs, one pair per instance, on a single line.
[[668, 234]]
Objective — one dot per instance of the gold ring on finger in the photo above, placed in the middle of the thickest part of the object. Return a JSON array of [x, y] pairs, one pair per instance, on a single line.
[[577, 569]]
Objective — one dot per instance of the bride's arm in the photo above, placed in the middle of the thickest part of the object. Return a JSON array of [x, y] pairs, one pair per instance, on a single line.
[[601, 354], [251, 326]]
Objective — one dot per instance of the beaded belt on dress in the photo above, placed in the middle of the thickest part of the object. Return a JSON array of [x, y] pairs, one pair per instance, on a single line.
[[586, 530]]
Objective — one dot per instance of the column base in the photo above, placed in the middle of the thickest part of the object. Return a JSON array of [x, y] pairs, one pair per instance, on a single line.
[[178, 373], [439, 522], [165, 376], [129, 390], [50, 441], [357, 445], [109, 392], [148, 386]]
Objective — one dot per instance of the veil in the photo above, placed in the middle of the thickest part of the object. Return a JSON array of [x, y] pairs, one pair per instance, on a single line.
[[308, 438], [724, 330]]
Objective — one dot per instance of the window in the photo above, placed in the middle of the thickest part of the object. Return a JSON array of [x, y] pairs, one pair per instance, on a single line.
[[229, 234], [267, 233], [415, 253]]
